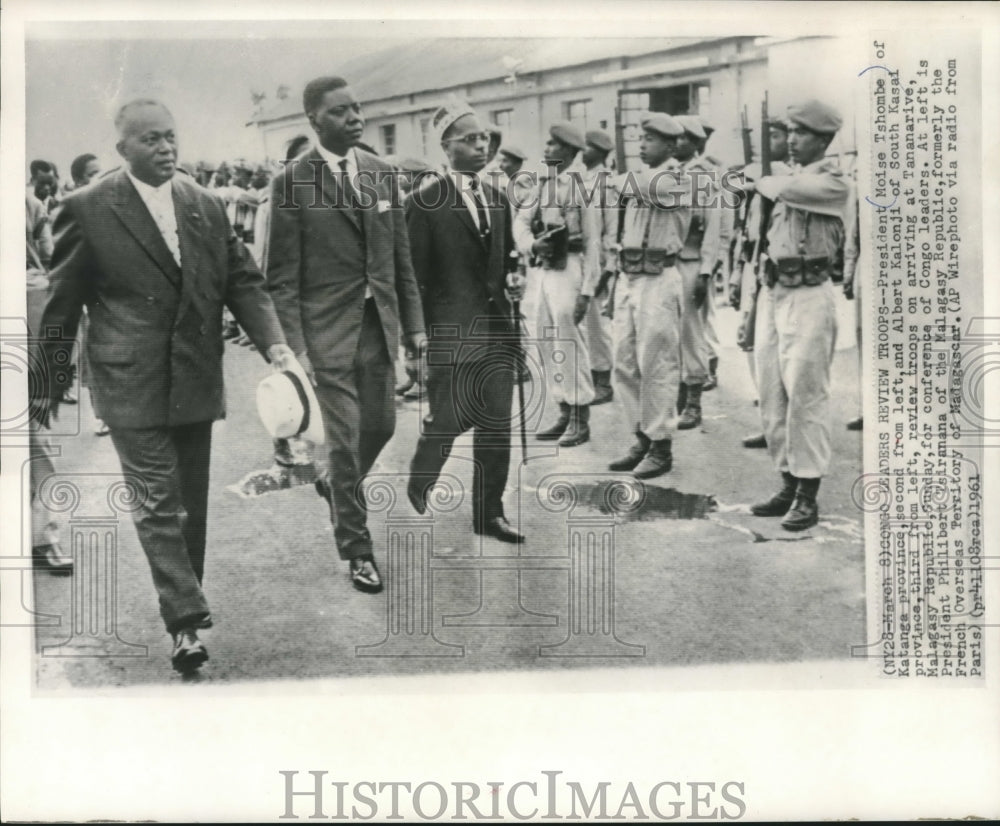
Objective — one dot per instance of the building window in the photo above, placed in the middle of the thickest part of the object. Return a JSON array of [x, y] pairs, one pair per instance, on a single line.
[[388, 133], [687, 99], [577, 112], [502, 118]]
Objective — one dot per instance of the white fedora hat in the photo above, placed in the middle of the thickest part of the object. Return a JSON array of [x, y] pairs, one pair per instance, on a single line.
[[287, 405]]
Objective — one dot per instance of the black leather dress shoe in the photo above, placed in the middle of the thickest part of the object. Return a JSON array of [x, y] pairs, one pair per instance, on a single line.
[[499, 528], [189, 652], [52, 558], [322, 485], [416, 492], [755, 442], [364, 574], [856, 424]]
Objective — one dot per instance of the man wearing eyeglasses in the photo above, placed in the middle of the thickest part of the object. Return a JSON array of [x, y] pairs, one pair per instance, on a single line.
[[460, 239], [560, 230], [340, 272]]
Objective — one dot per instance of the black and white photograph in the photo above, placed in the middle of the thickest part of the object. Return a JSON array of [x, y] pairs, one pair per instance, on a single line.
[[587, 413]]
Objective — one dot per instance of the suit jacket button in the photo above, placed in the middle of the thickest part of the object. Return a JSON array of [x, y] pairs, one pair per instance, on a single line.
[[150, 299], [203, 329]]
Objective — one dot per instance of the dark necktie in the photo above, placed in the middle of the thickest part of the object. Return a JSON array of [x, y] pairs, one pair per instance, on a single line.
[[477, 196], [350, 194]]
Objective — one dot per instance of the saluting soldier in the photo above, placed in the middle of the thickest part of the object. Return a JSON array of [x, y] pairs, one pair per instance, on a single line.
[[649, 300], [562, 234], [696, 262], [796, 316]]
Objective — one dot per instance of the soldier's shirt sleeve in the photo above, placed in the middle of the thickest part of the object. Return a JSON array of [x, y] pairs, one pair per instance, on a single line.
[[593, 230], [824, 191], [523, 236]]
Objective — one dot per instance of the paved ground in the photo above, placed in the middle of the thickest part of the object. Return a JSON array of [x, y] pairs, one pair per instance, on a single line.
[[720, 587]]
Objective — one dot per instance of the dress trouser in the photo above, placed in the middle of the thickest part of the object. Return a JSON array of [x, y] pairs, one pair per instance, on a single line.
[[44, 522], [563, 344], [359, 413], [795, 337], [694, 348], [474, 394], [170, 465], [647, 328]]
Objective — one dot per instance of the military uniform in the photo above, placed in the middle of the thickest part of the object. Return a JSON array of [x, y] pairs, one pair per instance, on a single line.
[[571, 273], [796, 321], [696, 262], [648, 311], [599, 181]]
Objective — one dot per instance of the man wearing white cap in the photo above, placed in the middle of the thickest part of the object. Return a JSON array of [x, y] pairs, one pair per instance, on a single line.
[[597, 178], [796, 315], [649, 300], [563, 234], [695, 263]]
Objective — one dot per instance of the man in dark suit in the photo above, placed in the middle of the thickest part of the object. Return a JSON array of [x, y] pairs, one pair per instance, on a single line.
[[340, 273], [153, 258], [460, 238]]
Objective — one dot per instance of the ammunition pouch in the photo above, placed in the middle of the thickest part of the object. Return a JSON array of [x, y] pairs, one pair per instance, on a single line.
[[645, 260], [798, 271]]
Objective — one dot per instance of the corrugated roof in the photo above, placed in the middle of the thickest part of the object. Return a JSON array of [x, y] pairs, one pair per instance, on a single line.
[[442, 63]]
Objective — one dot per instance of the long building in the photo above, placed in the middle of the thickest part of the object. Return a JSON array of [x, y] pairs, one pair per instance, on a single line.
[[521, 85]]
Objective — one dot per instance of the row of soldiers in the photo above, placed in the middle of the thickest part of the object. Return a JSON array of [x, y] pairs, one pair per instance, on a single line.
[[638, 266]]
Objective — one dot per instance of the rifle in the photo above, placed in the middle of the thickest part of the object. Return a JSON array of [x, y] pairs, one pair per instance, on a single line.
[[738, 244], [758, 260]]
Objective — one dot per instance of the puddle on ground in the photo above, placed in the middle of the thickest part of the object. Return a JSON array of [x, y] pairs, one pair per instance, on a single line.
[[648, 502], [277, 477]]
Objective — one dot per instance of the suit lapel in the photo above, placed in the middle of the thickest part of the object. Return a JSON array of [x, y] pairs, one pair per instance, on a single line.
[[190, 230], [331, 185], [134, 215]]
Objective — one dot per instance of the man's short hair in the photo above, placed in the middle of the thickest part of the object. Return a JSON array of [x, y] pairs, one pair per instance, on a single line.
[[312, 95], [39, 167], [123, 111], [79, 165]]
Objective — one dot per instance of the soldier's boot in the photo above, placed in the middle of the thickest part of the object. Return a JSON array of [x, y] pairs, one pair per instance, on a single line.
[[658, 460], [779, 504], [691, 416], [682, 395], [557, 430], [603, 392], [578, 430], [713, 380], [804, 512], [636, 453]]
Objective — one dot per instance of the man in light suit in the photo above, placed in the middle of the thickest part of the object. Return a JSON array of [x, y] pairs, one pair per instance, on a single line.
[[153, 258], [461, 241], [340, 273]]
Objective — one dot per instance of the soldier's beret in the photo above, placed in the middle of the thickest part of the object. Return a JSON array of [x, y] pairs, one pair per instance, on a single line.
[[778, 123], [513, 151], [691, 125], [600, 139], [567, 133], [662, 123], [816, 116]]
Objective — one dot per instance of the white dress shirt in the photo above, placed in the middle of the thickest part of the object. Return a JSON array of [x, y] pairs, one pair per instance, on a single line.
[[159, 200]]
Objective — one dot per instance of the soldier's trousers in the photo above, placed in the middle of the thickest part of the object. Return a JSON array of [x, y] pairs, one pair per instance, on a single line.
[[795, 337], [598, 334], [563, 344], [694, 349], [647, 324]]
